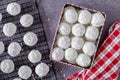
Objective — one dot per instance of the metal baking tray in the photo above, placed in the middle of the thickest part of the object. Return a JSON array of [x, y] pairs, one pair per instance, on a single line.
[[28, 6], [56, 33]]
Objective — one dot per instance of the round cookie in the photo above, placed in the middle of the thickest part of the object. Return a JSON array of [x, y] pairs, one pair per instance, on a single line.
[[34, 56], [98, 19], [14, 49], [26, 20], [7, 66], [64, 28], [92, 33], [89, 48], [70, 15], [77, 43], [24, 72], [13, 8], [84, 17], [9, 29], [71, 55], [78, 29], [0, 16], [30, 39], [2, 47], [42, 69], [83, 60], [17, 79], [69, 7], [58, 54], [63, 42]]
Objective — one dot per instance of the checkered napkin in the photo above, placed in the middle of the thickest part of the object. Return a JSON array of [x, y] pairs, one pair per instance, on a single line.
[[107, 60]]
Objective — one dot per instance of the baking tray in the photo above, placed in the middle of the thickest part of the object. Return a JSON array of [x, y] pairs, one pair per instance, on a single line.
[[28, 6], [57, 29]]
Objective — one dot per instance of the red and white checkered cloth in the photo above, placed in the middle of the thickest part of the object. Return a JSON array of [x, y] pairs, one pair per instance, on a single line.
[[107, 59]]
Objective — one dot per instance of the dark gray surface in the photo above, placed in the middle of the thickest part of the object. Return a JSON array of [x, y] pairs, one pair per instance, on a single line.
[[50, 13]]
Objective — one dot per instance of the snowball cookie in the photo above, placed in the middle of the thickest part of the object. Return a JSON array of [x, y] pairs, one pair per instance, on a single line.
[[34, 56], [9, 29], [98, 19], [13, 9], [17, 79], [26, 20], [63, 42], [78, 29], [84, 17], [24, 72], [30, 39], [77, 43], [7, 66], [71, 55], [89, 48], [70, 15], [58, 54], [58, 36], [0, 17], [2, 47], [83, 60], [14, 49], [92, 33], [42, 69], [65, 28], [69, 7]]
